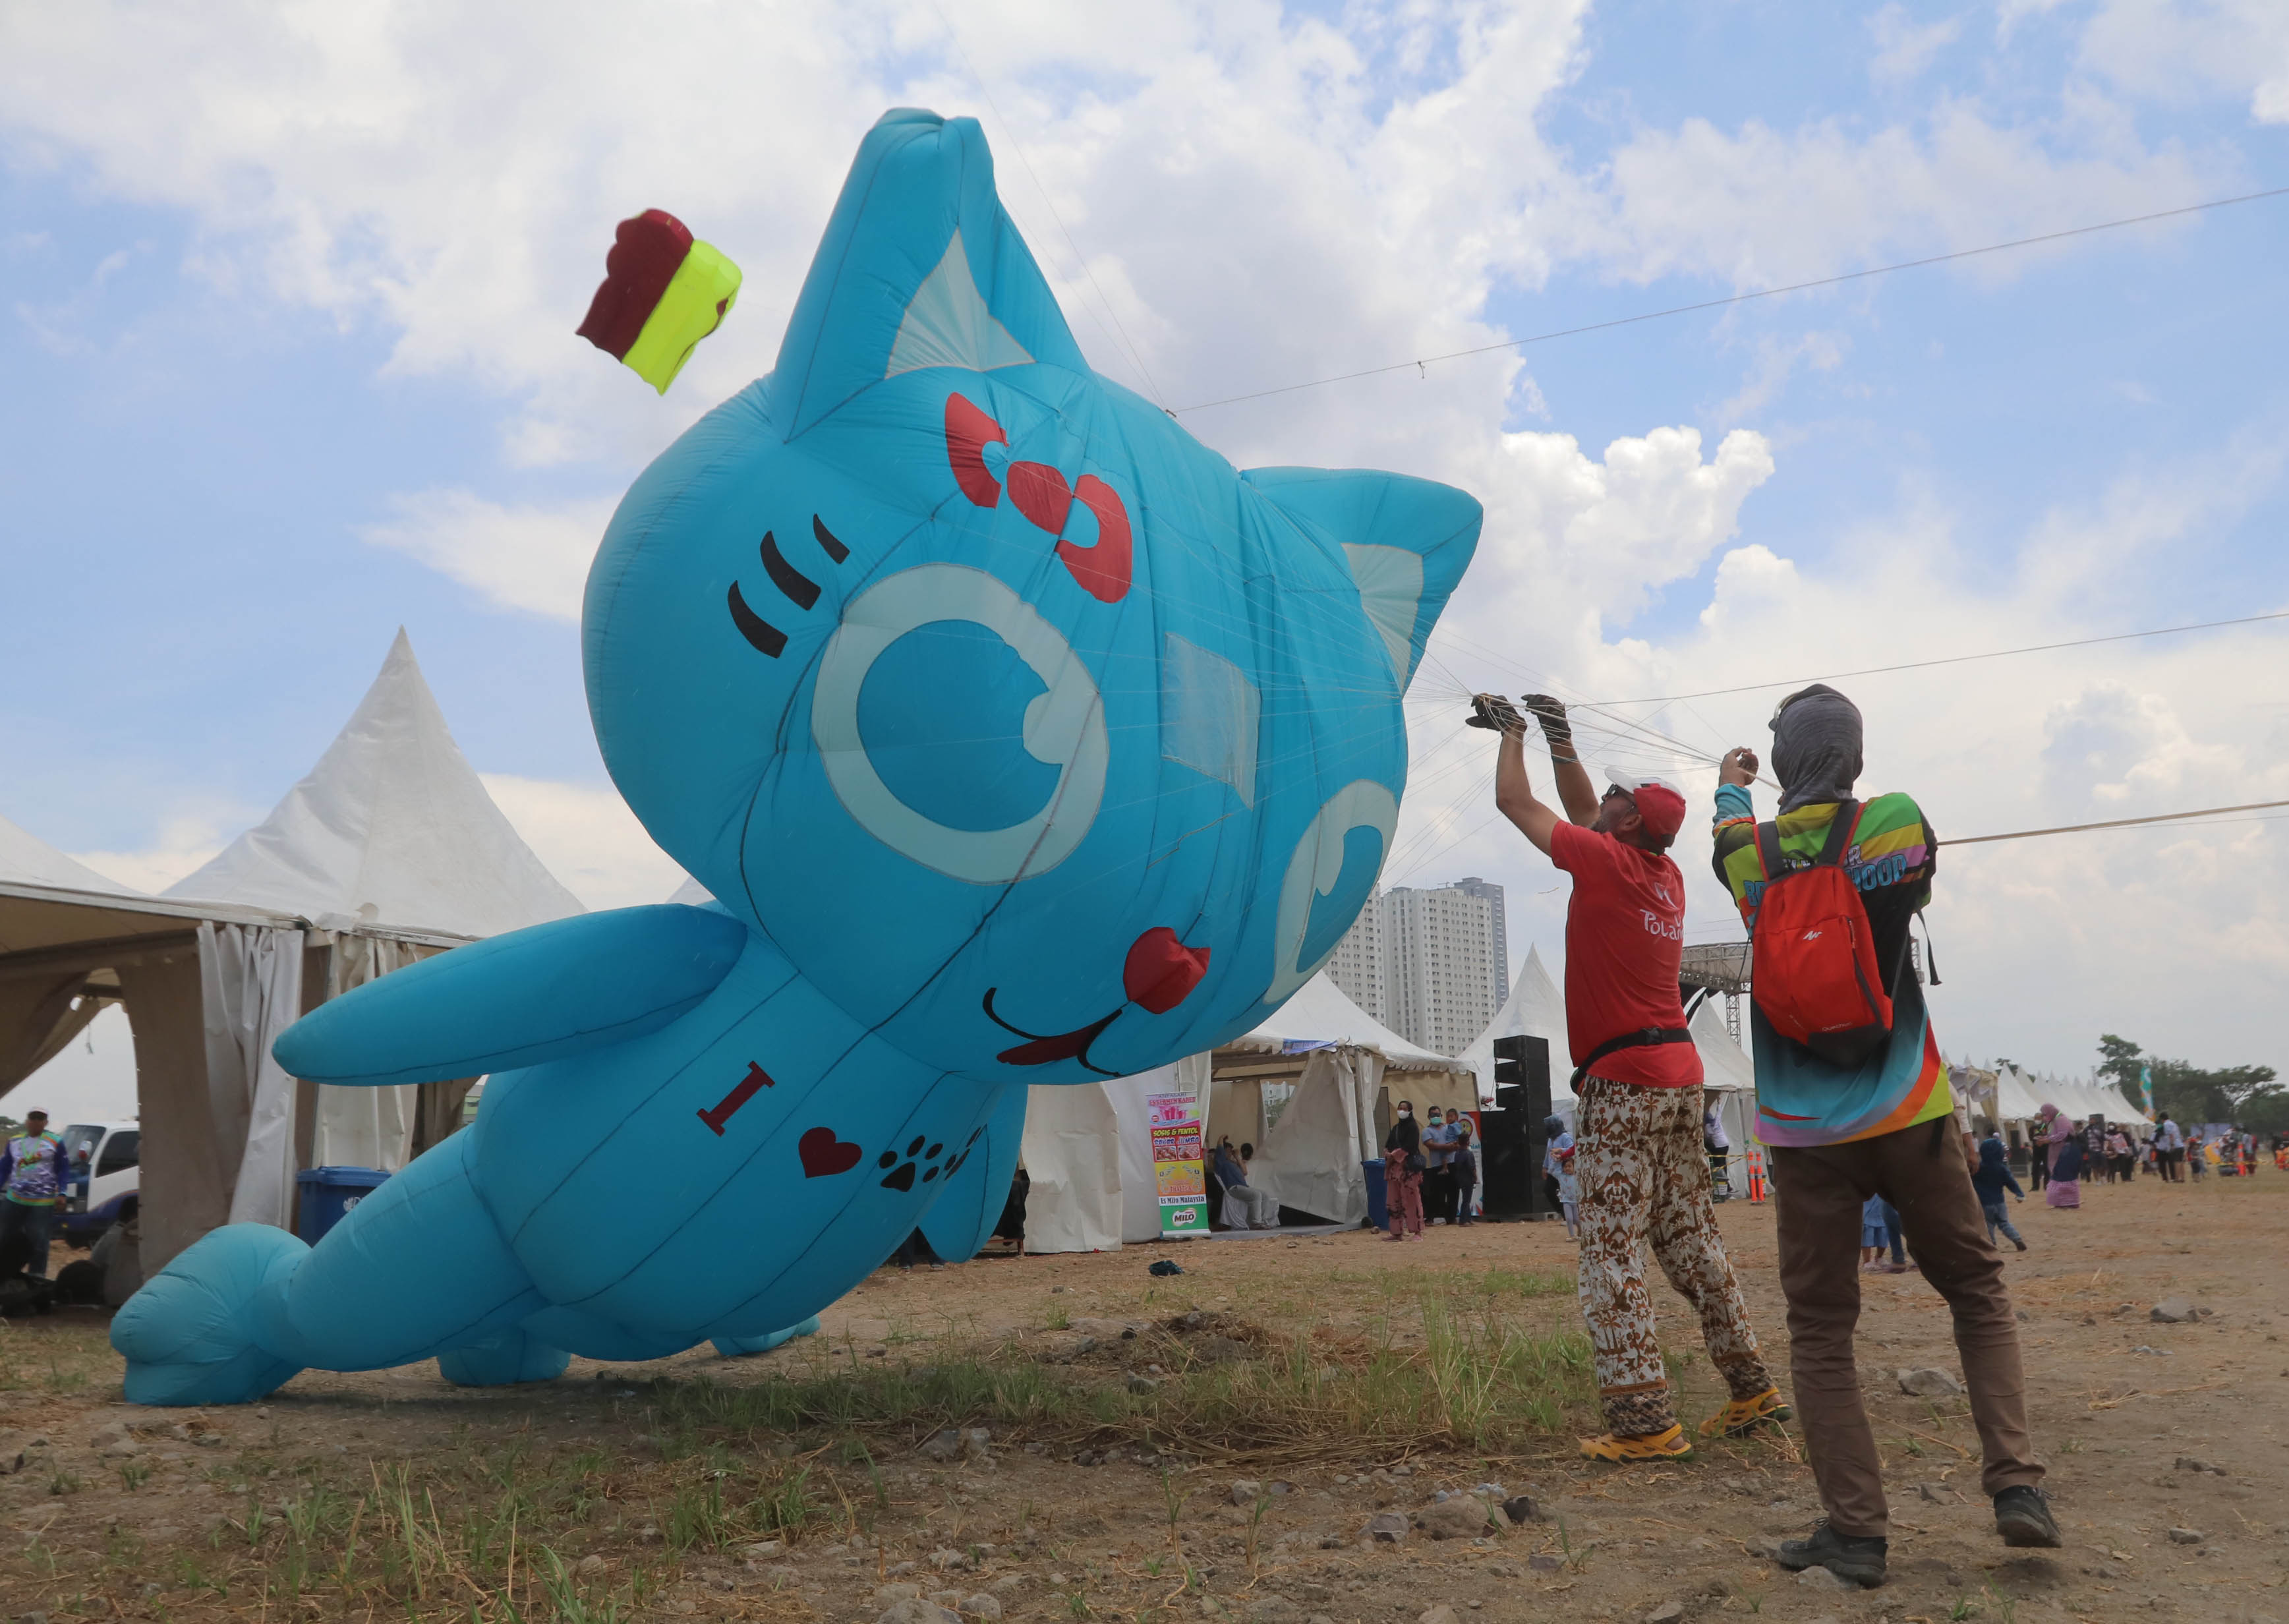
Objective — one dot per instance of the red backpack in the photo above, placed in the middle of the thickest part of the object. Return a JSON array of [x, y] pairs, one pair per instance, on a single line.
[[1814, 971]]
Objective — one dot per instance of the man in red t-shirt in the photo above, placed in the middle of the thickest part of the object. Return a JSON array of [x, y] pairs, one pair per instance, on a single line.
[[1637, 1133]]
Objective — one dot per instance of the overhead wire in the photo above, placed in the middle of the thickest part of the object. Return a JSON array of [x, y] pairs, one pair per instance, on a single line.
[[2118, 822], [1421, 362], [1953, 659]]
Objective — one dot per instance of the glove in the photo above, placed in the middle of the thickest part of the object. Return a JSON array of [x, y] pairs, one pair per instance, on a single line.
[[1552, 714], [1493, 713]]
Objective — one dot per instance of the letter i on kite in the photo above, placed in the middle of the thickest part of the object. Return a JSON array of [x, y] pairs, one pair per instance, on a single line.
[[663, 293]]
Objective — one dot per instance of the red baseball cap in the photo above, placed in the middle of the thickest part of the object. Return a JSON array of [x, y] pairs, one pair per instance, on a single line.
[[1660, 804]]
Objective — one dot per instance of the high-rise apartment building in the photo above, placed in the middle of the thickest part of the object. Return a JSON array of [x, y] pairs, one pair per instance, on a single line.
[[1357, 966], [1493, 893], [1427, 963]]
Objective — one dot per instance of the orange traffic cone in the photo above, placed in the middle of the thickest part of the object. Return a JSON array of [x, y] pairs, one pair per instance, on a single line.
[[1755, 1179]]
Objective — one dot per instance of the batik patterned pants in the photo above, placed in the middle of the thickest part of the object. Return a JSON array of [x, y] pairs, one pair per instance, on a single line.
[[1644, 1181]]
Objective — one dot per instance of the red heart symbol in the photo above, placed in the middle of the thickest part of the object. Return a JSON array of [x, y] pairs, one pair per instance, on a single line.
[[823, 1155]]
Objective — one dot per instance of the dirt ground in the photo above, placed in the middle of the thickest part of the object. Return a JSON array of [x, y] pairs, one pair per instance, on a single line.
[[795, 1486]]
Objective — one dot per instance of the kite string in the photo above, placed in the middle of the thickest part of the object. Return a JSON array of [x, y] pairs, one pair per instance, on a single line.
[[1087, 270]]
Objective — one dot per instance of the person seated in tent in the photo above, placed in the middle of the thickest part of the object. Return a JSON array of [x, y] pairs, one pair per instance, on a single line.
[[1243, 1209], [1854, 1100], [1637, 1078]]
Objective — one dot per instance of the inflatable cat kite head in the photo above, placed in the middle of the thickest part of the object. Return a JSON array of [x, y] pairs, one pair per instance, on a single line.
[[1039, 738]]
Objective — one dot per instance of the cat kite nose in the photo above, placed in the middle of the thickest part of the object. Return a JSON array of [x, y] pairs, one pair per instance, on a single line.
[[1161, 972]]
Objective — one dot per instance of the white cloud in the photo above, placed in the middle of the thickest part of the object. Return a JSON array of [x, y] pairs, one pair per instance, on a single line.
[[184, 842], [1776, 362], [588, 838], [534, 559], [2180, 51], [1903, 49]]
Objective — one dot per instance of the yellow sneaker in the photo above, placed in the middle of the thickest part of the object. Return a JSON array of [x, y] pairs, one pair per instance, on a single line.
[[1669, 1445], [1745, 1415]]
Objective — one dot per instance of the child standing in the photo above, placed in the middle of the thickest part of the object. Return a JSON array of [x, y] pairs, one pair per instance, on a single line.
[[1557, 1162], [1872, 1232], [1992, 1179]]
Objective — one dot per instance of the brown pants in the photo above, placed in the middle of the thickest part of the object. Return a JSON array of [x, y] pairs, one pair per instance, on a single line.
[[1819, 1192]]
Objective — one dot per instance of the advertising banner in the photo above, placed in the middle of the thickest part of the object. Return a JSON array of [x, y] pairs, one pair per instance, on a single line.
[[1178, 1177]]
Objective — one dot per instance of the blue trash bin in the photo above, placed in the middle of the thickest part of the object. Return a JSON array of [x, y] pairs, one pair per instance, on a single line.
[[328, 1193], [1378, 1202]]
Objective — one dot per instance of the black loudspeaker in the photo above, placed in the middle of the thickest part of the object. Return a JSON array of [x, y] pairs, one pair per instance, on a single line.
[[1510, 1134]]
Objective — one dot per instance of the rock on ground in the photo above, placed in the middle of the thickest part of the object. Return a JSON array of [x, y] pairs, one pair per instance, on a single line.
[[1820, 1578], [1438, 1612], [1928, 1384], [1458, 1517], [1384, 1528], [913, 1610], [2174, 1311]]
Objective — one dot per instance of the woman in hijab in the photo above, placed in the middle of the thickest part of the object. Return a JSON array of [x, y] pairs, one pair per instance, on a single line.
[[1402, 1175], [2064, 1187]]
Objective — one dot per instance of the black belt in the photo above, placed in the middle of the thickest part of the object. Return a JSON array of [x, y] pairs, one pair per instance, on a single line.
[[1644, 1038]]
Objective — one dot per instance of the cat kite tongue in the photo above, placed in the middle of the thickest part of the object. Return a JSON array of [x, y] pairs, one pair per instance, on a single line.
[[663, 293]]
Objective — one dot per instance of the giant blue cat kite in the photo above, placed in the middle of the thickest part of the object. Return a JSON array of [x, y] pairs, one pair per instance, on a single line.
[[1023, 739]]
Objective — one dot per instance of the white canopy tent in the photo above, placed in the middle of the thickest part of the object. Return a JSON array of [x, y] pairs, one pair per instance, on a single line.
[[73, 943], [1319, 1014], [392, 844], [1535, 1008], [389, 850], [1339, 1059], [1087, 1150]]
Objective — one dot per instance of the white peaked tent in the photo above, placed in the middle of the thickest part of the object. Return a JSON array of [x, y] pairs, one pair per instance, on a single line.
[[392, 826], [2018, 1098], [1535, 1008], [1729, 1078], [1320, 1013], [391, 844], [26, 859]]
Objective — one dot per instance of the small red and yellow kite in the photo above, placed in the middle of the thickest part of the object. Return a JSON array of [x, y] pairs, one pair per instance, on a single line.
[[663, 293]]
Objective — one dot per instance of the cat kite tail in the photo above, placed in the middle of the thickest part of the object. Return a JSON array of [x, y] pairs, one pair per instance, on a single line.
[[1021, 738], [663, 293]]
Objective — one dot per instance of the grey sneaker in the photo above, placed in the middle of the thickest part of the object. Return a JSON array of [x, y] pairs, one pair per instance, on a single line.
[[1858, 1558], [2023, 1516]]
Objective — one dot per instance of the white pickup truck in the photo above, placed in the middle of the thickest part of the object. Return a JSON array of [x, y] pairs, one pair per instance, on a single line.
[[105, 1178]]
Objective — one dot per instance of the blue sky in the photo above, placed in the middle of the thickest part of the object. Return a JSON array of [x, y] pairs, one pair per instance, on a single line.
[[322, 283]]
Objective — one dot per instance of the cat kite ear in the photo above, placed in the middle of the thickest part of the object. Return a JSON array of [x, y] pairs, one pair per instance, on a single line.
[[920, 268], [1408, 542]]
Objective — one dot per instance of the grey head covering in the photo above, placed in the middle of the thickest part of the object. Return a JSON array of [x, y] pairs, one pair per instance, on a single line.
[[1815, 746]]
